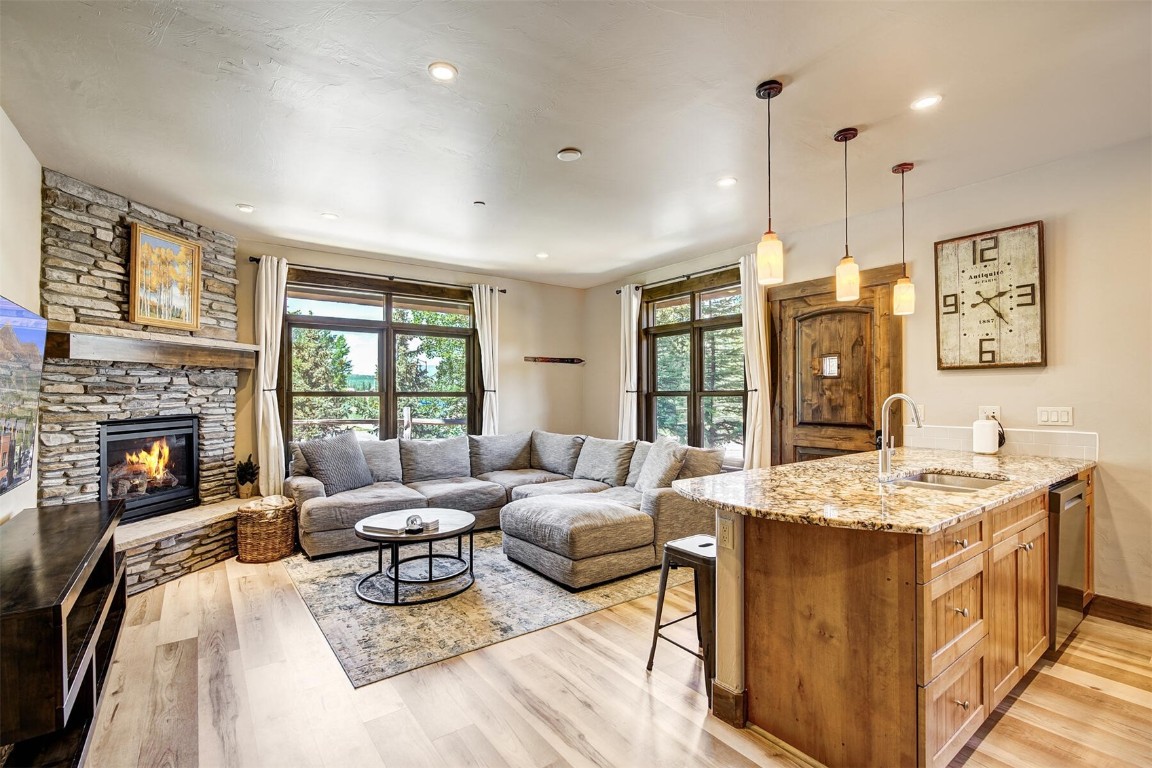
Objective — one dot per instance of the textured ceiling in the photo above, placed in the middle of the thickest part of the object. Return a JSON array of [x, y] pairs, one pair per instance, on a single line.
[[302, 107]]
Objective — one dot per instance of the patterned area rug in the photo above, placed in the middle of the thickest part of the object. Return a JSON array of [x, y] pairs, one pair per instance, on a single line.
[[374, 642]]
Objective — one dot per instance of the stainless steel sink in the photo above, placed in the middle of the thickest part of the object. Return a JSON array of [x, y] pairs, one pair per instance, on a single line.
[[952, 483]]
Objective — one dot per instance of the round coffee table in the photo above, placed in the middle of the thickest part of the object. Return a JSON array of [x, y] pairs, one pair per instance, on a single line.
[[453, 523]]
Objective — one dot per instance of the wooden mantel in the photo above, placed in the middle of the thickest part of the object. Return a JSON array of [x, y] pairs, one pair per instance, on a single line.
[[81, 341]]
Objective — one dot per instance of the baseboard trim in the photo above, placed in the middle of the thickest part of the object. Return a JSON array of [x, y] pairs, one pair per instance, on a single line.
[[1123, 611], [786, 747], [728, 705]]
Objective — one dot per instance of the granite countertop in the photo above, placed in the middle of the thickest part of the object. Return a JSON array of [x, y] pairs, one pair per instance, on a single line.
[[845, 491]]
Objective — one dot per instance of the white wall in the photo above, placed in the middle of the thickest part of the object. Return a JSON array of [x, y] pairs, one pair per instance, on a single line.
[[1097, 214], [19, 254], [535, 320]]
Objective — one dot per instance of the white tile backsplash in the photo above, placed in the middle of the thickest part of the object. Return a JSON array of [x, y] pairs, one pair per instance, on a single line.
[[1018, 442]]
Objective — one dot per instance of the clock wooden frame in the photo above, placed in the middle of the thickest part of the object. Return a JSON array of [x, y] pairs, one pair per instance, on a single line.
[[1019, 296]]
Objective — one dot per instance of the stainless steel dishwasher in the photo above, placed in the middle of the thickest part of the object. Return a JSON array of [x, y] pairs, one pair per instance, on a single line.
[[1067, 559]]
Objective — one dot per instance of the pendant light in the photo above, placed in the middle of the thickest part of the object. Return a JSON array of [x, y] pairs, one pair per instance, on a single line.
[[847, 273], [904, 293], [770, 251]]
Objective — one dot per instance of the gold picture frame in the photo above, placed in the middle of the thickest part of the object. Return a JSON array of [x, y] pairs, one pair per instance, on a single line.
[[164, 288]]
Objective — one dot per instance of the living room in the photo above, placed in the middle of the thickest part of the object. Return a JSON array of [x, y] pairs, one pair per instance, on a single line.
[[294, 111]]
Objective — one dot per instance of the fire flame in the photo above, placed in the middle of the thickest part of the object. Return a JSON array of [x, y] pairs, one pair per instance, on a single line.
[[155, 460]]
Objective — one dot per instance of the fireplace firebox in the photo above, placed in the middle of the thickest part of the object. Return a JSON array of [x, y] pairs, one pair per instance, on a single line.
[[152, 464]]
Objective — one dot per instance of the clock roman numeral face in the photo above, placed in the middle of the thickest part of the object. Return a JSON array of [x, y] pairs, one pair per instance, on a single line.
[[989, 299]]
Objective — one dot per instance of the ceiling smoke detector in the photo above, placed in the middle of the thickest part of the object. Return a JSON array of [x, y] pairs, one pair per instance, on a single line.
[[245, 207], [442, 71], [727, 181], [568, 154]]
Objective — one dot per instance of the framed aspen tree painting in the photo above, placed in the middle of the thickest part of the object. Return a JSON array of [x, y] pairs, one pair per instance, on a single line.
[[165, 280], [990, 299]]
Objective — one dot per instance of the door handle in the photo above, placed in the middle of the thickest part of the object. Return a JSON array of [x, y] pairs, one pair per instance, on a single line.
[[962, 611]]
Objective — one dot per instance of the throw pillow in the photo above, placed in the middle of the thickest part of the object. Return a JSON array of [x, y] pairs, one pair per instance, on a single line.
[[434, 459], [637, 464], [699, 462], [383, 457], [492, 453], [555, 453], [337, 462], [604, 460], [663, 463], [298, 465]]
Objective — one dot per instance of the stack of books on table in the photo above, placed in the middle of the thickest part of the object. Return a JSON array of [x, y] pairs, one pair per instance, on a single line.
[[396, 529]]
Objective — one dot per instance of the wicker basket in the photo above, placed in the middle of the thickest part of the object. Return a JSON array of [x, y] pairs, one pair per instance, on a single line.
[[266, 529]]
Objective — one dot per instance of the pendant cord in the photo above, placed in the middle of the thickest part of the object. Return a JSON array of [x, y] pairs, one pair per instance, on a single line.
[[769, 100], [845, 143], [903, 263]]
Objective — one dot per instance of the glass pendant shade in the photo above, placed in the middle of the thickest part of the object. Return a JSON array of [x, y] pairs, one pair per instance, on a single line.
[[847, 280], [903, 297], [770, 260]]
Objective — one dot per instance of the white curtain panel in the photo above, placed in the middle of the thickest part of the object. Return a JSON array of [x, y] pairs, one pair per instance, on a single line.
[[757, 424], [487, 302], [629, 339], [270, 282]]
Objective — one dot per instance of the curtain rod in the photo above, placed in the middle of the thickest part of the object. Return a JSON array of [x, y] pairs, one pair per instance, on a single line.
[[684, 277], [256, 260]]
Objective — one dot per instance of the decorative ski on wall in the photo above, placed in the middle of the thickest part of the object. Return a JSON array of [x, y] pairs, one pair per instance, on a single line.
[[568, 360]]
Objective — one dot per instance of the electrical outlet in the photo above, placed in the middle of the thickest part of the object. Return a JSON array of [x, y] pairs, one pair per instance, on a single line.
[[1054, 416], [727, 533], [990, 412]]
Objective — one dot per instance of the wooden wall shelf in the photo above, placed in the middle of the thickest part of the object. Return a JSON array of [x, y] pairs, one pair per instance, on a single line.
[[95, 342]]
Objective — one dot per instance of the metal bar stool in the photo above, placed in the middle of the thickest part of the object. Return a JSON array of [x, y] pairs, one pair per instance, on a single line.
[[699, 554]]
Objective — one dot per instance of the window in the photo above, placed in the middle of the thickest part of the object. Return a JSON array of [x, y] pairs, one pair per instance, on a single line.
[[692, 350], [377, 361]]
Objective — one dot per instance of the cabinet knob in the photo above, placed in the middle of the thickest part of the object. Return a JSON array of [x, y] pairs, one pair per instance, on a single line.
[[962, 611], [962, 704], [961, 542]]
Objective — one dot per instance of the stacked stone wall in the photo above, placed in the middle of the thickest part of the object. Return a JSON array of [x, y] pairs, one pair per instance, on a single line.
[[154, 563], [85, 269]]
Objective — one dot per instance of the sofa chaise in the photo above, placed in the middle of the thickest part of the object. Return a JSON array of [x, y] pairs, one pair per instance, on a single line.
[[580, 510]]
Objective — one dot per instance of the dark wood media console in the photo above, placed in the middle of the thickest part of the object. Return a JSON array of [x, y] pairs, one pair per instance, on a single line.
[[61, 607]]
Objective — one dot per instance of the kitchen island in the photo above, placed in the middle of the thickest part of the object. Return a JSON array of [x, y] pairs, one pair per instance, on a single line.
[[862, 622]]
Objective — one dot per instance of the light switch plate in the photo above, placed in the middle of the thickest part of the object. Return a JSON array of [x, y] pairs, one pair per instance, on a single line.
[[1054, 416], [990, 412]]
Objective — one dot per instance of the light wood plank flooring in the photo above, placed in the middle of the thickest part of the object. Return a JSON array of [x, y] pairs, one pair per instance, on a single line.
[[226, 667]]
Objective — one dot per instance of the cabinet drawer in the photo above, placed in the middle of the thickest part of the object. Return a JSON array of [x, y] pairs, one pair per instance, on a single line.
[[951, 617], [952, 708], [941, 551], [1017, 515]]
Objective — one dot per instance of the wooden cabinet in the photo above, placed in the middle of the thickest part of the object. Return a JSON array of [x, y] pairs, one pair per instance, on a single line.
[[61, 608], [877, 648], [1017, 607]]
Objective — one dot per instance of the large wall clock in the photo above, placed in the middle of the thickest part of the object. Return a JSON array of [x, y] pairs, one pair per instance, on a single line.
[[990, 299]]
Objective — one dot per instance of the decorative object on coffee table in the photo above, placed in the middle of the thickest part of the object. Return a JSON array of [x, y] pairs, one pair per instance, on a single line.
[[266, 529], [396, 529], [165, 285], [247, 472]]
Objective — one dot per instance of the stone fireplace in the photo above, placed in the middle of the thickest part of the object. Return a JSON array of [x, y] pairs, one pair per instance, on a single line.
[[102, 370]]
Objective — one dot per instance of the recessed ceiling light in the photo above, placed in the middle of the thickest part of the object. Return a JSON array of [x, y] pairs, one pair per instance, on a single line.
[[541, 256], [568, 154], [245, 207], [727, 181], [927, 102], [442, 71], [330, 216]]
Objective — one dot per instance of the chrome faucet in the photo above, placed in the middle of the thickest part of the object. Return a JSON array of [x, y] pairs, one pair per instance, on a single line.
[[886, 448]]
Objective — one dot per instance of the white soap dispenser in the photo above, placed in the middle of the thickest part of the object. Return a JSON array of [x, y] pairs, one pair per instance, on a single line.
[[987, 436]]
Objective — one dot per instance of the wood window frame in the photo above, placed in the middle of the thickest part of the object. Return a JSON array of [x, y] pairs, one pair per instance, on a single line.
[[386, 331], [695, 327]]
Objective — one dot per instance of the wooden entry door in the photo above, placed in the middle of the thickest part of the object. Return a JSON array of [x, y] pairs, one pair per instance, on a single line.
[[834, 364]]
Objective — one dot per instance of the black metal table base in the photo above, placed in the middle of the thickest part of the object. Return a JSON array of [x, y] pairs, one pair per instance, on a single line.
[[393, 574]]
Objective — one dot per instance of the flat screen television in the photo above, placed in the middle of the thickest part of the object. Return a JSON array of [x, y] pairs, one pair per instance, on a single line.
[[22, 336]]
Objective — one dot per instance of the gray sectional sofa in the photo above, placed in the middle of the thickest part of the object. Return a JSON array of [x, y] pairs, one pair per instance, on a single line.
[[580, 510]]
